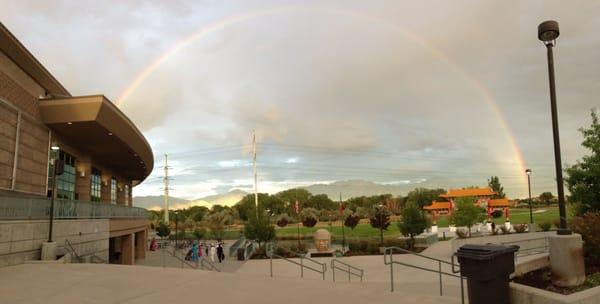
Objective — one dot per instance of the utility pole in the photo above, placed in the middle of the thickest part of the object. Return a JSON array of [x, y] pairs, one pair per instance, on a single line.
[[166, 195], [255, 179]]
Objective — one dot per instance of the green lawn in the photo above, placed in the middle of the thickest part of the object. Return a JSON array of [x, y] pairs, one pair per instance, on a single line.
[[364, 230]]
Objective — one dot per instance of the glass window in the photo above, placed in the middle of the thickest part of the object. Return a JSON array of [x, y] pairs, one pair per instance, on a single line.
[[113, 190], [65, 188], [96, 190]]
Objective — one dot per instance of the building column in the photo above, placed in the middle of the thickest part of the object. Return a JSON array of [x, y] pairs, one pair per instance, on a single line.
[[127, 249], [140, 244], [83, 180]]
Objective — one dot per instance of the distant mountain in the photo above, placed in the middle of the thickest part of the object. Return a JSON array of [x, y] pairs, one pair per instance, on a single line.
[[226, 199], [156, 202], [354, 188]]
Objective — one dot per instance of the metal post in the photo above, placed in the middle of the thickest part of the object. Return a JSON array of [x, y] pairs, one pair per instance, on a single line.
[[529, 187], [391, 271], [176, 221], [563, 230], [324, 269], [349, 279], [301, 267], [440, 273], [271, 264], [54, 158], [333, 269]]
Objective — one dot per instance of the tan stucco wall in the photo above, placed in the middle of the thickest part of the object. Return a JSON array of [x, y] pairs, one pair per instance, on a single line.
[[22, 240]]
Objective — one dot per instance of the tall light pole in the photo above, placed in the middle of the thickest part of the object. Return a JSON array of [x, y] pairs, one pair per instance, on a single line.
[[528, 172], [548, 32]]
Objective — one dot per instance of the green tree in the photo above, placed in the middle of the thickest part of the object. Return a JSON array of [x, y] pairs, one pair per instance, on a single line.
[[351, 221], [283, 220], [259, 228], [466, 213], [321, 202], [423, 196], [546, 197], [494, 183], [380, 219], [583, 178], [413, 222], [163, 230], [289, 196], [217, 222]]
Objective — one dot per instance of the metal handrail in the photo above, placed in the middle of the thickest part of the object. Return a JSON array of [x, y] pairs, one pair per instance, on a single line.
[[233, 248], [439, 271], [250, 249], [302, 257], [349, 270], [71, 251]]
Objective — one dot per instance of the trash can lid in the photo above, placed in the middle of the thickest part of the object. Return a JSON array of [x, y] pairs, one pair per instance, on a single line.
[[484, 252]]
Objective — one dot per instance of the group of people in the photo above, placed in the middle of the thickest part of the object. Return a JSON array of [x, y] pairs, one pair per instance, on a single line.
[[197, 251]]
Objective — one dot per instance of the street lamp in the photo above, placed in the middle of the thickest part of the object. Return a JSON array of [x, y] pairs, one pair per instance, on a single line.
[[380, 224], [528, 172], [548, 32], [176, 230]]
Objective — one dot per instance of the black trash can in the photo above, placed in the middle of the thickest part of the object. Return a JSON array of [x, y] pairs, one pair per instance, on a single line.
[[487, 268], [241, 252]]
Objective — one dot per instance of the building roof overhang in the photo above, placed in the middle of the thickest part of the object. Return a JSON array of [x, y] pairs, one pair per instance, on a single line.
[[11, 47], [96, 126]]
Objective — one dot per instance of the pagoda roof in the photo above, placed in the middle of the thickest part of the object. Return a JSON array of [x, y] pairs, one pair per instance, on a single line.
[[501, 202], [469, 192], [438, 205]]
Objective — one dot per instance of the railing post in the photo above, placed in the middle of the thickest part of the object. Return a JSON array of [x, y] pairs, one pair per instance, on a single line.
[[333, 269], [440, 273], [301, 266], [391, 269], [324, 269], [271, 264], [349, 279]]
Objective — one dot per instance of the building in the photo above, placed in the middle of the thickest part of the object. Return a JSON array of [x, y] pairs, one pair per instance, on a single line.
[[104, 156], [483, 197]]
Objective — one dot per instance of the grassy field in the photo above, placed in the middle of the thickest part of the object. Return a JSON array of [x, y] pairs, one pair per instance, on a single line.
[[364, 230]]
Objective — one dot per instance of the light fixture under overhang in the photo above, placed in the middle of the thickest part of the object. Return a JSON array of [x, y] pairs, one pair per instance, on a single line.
[[110, 134]]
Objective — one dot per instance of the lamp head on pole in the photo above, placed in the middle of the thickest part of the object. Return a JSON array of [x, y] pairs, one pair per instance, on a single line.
[[528, 171], [548, 31]]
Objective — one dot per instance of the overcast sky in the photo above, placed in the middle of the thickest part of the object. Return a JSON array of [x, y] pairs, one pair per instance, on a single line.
[[430, 93]]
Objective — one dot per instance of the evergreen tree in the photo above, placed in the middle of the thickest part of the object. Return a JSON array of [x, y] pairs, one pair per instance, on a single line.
[[494, 183], [583, 178], [413, 222]]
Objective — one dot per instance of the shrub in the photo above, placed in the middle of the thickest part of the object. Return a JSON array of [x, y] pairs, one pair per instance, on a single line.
[[504, 230], [556, 223], [545, 226], [588, 225], [497, 213], [520, 228], [283, 220], [351, 221], [163, 230]]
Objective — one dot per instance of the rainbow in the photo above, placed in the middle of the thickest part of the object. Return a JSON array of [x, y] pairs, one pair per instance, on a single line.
[[236, 19]]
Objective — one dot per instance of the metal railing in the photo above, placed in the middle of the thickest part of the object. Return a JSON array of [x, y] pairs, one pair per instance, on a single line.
[[71, 251], [233, 248], [390, 251], [349, 269], [16, 208], [271, 253], [530, 246], [251, 247]]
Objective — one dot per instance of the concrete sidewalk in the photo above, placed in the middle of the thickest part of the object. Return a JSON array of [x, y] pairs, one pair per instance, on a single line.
[[100, 283]]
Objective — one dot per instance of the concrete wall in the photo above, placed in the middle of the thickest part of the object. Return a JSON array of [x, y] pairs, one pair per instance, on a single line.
[[519, 239], [22, 240]]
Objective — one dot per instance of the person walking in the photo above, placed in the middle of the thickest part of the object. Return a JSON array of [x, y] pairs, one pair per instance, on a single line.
[[213, 250], [220, 252], [195, 252]]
